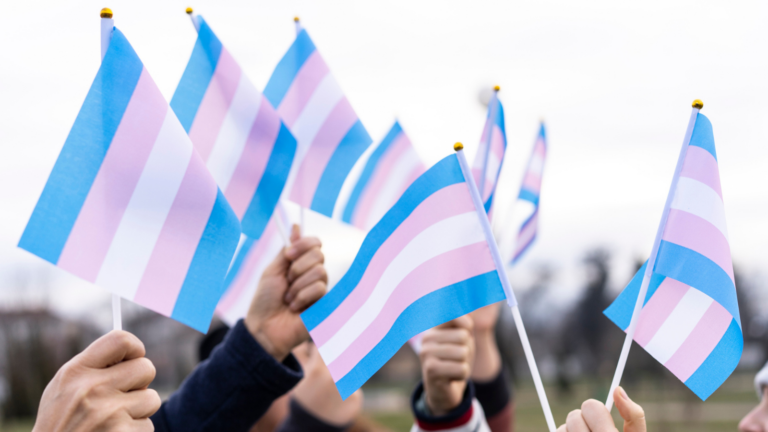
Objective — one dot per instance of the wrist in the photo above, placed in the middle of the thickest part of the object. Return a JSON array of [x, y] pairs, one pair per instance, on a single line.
[[261, 335], [487, 364]]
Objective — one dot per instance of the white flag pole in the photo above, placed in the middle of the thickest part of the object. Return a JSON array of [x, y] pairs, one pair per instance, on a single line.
[[506, 285], [107, 24], [297, 23], [487, 138], [697, 105], [193, 17]]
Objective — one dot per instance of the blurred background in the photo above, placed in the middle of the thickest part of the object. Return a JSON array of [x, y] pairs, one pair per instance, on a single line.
[[613, 82]]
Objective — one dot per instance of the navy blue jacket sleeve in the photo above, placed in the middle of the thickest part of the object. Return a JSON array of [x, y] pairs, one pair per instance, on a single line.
[[229, 391]]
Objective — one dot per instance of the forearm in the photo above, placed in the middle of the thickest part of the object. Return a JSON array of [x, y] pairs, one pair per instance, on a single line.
[[487, 365], [229, 391]]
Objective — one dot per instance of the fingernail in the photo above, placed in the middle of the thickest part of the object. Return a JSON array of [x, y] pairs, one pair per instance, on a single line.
[[290, 252], [624, 394]]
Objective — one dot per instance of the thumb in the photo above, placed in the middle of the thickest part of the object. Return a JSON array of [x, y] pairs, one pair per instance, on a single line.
[[295, 233], [632, 413]]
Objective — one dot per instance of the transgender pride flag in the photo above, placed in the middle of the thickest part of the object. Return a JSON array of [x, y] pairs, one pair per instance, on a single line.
[[690, 318], [251, 259], [392, 167], [426, 262], [129, 204], [528, 199], [238, 134], [490, 154], [330, 136]]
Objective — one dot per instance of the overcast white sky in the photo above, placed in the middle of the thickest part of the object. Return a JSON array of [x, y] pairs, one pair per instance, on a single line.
[[613, 80]]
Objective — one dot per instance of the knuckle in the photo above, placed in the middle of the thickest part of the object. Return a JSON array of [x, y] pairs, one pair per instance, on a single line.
[[153, 400], [146, 367]]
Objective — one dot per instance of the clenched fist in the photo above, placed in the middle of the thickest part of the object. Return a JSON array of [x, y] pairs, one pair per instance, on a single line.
[[104, 388]]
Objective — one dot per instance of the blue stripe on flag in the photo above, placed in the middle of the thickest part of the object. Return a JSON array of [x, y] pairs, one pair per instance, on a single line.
[[531, 240], [433, 309], [349, 150], [499, 121], [238, 261], [285, 71], [702, 135], [527, 195], [698, 271], [444, 173], [489, 202], [720, 363], [270, 187], [620, 311], [543, 133], [203, 286], [197, 75], [370, 168], [83, 152]]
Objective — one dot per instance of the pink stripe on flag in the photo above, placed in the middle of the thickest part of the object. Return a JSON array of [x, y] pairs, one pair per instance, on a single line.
[[449, 201], [176, 246], [338, 123], [302, 88], [701, 166], [215, 104], [700, 343], [249, 265], [380, 177], [439, 272], [113, 186], [253, 160], [532, 182], [658, 309], [526, 234], [700, 236], [540, 149], [497, 144]]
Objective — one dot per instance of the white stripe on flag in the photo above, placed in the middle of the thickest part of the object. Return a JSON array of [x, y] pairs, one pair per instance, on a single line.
[[698, 199], [147, 210], [678, 325], [444, 236], [234, 132], [395, 183], [537, 165], [493, 169], [316, 111]]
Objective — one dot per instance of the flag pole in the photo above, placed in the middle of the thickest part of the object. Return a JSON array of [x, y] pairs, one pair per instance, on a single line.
[[107, 24], [492, 104], [193, 17], [494, 248], [297, 23], [696, 106]]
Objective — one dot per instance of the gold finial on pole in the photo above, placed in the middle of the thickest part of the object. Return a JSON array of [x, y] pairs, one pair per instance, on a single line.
[[458, 146], [295, 19], [106, 13], [496, 88], [189, 11], [698, 104]]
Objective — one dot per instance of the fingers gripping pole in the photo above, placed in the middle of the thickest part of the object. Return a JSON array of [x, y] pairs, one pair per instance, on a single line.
[[494, 249], [697, 104], [107, 24]]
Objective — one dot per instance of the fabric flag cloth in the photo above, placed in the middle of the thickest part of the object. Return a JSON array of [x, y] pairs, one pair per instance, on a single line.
[[130, 205], [251, 259], [490, 154], [236, 131], [391, 168], [330, 136], [426, 262], [528, 199], [690, 318]]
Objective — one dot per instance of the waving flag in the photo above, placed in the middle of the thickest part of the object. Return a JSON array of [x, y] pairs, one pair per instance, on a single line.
[[392, 167], [690, 319], [330, 136], [251, 259], [130, 205], [426, 262], [236, 131], [528, 199], [490, 154]]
